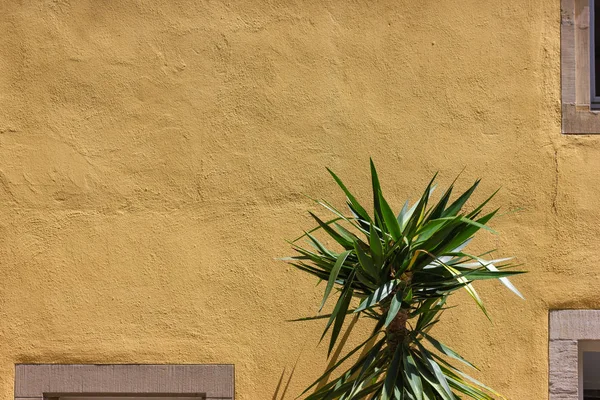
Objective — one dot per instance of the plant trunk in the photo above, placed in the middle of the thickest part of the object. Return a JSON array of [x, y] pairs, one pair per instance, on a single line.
[[397, 331]]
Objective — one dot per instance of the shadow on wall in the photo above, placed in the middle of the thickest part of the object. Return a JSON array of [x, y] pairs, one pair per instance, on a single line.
[[332, 362]]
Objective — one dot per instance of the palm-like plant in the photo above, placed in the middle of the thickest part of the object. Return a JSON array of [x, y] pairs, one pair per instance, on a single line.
[[402, 268]]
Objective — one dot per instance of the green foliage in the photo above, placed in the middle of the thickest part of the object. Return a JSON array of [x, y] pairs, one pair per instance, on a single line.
[[402, 268]]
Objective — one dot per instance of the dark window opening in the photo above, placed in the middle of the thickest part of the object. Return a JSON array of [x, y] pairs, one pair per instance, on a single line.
[[591, 375]]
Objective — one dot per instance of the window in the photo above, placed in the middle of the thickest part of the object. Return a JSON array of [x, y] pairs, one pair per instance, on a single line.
[[589, 365], [594, 56], [574, 355], [123, 382], [580, 98]]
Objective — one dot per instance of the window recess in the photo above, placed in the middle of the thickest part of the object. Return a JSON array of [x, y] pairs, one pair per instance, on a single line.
[[580, 104]]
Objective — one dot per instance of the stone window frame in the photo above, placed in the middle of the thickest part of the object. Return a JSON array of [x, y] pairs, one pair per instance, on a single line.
[[44, 381], [577, 117], [570, 332]]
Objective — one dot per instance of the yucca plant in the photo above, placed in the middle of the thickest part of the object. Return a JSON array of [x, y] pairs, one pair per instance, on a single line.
[[402, 268]]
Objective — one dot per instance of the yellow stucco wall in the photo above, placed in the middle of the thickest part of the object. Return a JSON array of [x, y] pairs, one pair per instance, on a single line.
[[153, 156]]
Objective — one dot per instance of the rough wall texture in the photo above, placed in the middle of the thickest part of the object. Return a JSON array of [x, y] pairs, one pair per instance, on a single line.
[[153, 156]]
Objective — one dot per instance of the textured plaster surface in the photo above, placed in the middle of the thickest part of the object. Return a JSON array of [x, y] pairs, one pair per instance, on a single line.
[[153, 156]]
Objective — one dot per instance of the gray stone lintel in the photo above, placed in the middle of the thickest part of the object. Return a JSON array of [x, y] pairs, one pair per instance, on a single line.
[[575, 324], [209, 381]]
